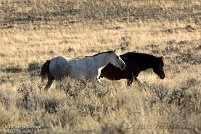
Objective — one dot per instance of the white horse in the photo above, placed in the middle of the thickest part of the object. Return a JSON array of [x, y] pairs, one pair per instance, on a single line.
[[88, 67]]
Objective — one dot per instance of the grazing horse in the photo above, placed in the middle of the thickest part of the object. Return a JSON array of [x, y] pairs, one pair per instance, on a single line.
[[135, 63], [88, 67]]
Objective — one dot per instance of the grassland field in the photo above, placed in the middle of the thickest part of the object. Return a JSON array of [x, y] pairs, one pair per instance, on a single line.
[[32, 31]]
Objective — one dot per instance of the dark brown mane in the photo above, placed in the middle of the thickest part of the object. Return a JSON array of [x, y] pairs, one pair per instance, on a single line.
[[97, 54], [139, 54], [102, 53]]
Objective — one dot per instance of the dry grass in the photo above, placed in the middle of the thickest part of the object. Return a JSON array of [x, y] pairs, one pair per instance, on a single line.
[[34, 31]]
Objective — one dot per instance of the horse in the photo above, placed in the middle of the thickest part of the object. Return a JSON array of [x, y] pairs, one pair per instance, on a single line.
[[88, 67], [135, 63]]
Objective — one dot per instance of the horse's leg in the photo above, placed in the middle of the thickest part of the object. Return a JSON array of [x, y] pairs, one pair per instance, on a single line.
[[49, 82], [129, 81], [99, 81], [96, 80], [136, 80]]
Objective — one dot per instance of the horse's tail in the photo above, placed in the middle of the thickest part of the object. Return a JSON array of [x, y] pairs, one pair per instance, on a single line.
[[45, 70]]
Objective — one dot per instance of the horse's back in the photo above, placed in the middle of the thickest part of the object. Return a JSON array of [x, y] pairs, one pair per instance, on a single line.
[[132, 64], [82, 68]]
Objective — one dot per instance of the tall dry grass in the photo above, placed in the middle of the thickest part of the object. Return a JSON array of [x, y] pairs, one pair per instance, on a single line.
[[34, 31]]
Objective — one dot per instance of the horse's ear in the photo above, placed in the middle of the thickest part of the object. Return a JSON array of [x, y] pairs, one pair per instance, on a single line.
[[162, 58], [114, 50]]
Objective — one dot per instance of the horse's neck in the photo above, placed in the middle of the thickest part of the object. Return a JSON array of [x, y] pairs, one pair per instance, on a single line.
[[101, 60]]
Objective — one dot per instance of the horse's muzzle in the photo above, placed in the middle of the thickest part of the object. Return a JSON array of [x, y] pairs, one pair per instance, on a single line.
[[123, 66]]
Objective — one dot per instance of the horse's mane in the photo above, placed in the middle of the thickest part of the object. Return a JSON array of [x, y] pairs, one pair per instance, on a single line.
[[102, 53], [139, 54], [95, 54], [99, 53]]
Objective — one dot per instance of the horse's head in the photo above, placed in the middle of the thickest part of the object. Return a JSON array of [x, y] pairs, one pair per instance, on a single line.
[[117, 61], [158, 67]]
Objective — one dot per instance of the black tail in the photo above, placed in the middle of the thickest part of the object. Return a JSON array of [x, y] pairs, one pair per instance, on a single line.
[[45, 70]]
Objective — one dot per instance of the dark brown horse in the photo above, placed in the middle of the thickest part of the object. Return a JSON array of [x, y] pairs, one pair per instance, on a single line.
[[135, 63]]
